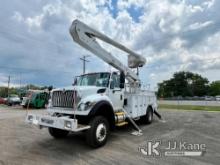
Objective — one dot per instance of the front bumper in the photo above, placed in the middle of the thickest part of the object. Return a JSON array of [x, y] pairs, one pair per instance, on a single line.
[[63, 123]]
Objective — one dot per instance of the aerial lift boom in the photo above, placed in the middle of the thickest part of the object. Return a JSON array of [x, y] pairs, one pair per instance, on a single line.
[[86, 37]]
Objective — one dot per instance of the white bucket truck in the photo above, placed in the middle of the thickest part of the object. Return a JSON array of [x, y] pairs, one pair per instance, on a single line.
[[98, 102]]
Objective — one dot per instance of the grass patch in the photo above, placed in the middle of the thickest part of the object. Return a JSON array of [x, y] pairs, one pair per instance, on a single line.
[[190, 107]]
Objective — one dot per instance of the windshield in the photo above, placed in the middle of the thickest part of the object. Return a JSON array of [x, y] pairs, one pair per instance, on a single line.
[[94, 79]]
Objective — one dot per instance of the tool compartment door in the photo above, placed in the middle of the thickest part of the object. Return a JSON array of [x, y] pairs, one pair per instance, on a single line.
[[133, 105]]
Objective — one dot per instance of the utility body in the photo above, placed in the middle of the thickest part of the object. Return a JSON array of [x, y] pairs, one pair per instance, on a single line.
[[98, 102]]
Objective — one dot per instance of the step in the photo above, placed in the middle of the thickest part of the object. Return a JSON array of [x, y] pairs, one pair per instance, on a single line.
[[121, 124], [119, 113]]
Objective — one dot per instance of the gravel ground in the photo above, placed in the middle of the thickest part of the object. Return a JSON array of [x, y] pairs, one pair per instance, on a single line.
[[21, 143]]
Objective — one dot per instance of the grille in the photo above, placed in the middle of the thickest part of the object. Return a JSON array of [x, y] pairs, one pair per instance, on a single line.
[[63, 99]]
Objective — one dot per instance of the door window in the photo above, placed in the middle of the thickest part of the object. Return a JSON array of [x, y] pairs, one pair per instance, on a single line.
[[115, 80]]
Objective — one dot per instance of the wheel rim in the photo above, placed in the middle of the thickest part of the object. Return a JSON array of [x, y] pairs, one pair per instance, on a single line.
[[101, 132]]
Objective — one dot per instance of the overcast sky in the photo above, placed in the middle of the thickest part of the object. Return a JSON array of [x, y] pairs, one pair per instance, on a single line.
[[173, 35]]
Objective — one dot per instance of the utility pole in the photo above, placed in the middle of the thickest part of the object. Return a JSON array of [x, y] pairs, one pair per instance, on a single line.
[[20, 80], [8, 85], [84, 62]]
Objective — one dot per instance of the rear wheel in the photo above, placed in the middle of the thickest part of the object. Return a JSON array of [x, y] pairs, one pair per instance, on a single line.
[[148, 118], [97, 135], [58, 133]]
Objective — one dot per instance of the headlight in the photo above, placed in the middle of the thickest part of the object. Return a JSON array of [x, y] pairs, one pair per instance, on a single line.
[[68, 124], [30, 118], [82, 107], [85, 106]]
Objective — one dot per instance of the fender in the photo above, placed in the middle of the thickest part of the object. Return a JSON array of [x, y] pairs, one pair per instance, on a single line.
[[103, 108]]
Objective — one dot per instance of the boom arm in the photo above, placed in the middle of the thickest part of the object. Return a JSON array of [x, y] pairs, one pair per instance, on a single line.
[[85, 36]]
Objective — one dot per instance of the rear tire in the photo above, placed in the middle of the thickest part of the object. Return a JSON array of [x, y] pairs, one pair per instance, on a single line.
[[148, 118], [97, 135], [58, 133]]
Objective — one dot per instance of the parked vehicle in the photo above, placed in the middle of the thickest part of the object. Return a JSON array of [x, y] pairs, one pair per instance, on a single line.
[[13, 100], [35, 99], [99, 102], [217, 98], [3, 100], [209, 98]]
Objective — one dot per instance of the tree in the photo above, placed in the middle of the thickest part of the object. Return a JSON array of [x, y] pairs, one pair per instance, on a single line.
[[214, 88], [21, 91], [183, 84], [4, 91]]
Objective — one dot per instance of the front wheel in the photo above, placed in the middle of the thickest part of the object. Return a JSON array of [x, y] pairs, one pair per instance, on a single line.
[[58, 133], [97, 135]]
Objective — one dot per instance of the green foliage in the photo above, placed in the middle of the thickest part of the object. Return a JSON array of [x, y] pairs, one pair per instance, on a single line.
[[3, 92], [184, 84], [20, 91], [190, 107], [214, 89]]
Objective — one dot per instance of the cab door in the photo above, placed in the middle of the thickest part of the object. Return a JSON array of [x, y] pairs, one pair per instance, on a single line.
[[116, 94]]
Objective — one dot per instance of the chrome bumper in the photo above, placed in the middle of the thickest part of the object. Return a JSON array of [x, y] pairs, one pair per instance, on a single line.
[[63, 123]]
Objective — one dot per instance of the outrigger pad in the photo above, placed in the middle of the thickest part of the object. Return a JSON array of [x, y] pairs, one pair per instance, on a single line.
[[137, 133], [162, 121]]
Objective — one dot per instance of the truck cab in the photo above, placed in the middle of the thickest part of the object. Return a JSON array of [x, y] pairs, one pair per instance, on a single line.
[[87, 91], [106, 83]]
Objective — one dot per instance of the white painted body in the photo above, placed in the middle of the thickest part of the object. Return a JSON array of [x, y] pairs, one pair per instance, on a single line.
[[137, 102]]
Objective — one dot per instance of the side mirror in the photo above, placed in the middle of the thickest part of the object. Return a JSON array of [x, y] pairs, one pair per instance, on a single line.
[[50, 88], [122, 80], [75, 81]]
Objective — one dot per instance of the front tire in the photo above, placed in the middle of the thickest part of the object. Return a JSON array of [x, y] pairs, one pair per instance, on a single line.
[[97, 135], [58, 133]]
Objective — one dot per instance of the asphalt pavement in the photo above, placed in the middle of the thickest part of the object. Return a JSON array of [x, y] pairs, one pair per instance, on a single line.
[[21, 143]]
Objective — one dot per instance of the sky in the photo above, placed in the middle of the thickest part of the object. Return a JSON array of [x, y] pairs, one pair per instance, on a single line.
[[173, 35]]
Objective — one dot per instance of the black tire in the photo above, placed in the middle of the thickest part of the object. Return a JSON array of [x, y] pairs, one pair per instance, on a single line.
[[10, 104], [148, 118], [58, 133], [97, 135], [24, 106]]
